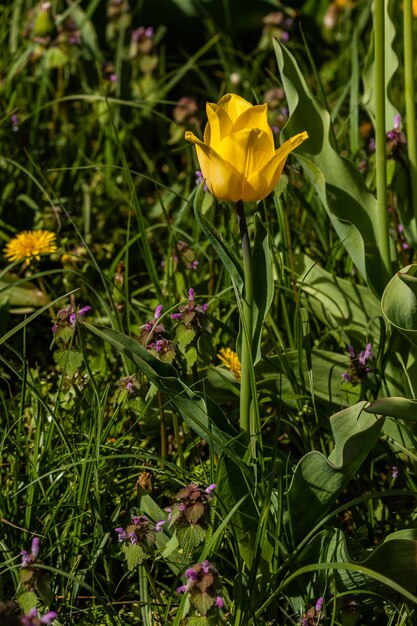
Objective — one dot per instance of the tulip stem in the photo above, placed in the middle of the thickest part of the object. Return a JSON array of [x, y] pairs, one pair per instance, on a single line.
[[246, 360]]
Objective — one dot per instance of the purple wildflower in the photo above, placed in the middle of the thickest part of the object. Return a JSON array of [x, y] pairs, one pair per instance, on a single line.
[[394, 472], [319, 605], [30, 558], [203, 580], [35, 547], [15, 122], [31, 618], [358, 367], [210, 488], [191, 574], [158, 525], [26, 559], [122, 534]]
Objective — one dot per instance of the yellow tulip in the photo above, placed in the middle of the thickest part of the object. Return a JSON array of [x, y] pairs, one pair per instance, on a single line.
[[237, 158]]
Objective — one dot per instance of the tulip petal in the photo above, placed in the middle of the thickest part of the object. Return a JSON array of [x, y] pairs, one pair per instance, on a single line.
[[219, 124], [265, 179], [234, 105], [255, 117], [222, 178], [249, 150]]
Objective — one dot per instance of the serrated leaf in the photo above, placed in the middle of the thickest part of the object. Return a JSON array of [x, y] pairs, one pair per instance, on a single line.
[[27, 600], [195, 512], [68, 360], [184, 336], [203, 602], [189, 537], [134, 555], [190, 358]]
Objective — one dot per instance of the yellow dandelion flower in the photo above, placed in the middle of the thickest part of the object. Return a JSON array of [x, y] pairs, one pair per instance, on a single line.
[[231, 361], [30, 244]]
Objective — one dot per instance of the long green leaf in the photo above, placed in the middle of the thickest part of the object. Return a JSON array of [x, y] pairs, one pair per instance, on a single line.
[[350, 205]]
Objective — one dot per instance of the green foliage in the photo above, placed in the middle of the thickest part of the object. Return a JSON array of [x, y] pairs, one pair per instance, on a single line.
[[318, 501], [134, 555]]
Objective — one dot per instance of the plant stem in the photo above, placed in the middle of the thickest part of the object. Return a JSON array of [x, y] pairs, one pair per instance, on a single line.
[[410, 109], [380, 134], [246, 321]]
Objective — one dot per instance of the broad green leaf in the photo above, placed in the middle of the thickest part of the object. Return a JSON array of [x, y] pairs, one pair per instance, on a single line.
[[390, 66], [263, 291], [400, 408], [318, 480], [25, 295], [350, 205], [399, 302], [337, 302], [394, 559], [285, 373], [134, 555]]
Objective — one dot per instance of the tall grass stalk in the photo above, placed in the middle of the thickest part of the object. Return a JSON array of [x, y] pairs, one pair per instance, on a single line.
[[380, 137], [410, 108]]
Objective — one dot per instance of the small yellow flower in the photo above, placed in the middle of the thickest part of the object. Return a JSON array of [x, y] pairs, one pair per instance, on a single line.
[[231, 361], [415, 8], [30, 244], [237, 158]]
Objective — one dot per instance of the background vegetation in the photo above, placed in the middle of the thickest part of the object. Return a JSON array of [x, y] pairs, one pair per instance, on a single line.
[[315, 522]]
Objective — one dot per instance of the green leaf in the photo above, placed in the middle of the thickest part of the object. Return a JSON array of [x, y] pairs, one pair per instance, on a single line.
[[390, 67], [230, 262], [264, 284], [184, 336], [190, 536], [284, 373], [69, 361], [318, 480], [134, 555], [400, 408], [27, 600], [337, 302], [399, 302], [197, 620], [349, 204], [190, 358], [171, 546], [202, 601], [44, 590], [25, 295]]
